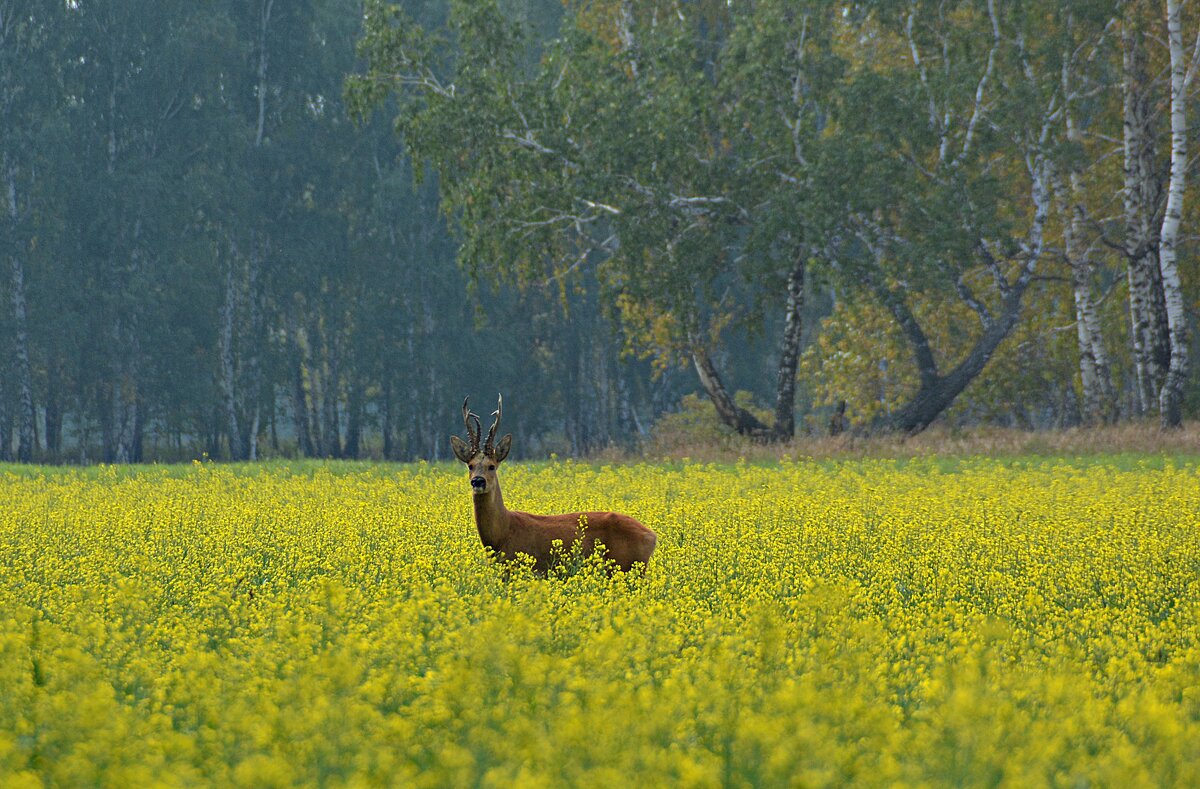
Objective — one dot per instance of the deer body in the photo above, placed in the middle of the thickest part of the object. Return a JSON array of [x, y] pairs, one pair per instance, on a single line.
[[510, 532]]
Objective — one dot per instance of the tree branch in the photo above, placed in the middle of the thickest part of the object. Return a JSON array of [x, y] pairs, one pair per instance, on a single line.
[[916, 56], [979, 89]]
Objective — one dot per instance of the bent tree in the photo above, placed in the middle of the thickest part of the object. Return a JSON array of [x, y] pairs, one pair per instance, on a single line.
[[957, 126]]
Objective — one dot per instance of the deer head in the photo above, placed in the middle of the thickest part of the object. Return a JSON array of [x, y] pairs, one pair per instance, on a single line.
[[481, 463]]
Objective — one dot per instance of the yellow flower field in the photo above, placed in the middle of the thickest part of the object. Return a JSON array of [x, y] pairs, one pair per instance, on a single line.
[[880, 623]]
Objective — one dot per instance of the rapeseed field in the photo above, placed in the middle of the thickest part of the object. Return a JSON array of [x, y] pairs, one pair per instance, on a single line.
[[870, 623]]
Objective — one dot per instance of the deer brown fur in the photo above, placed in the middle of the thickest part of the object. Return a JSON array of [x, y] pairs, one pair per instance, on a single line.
[[509, 532]]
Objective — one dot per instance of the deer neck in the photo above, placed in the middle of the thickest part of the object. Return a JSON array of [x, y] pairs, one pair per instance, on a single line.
[[491, 518]]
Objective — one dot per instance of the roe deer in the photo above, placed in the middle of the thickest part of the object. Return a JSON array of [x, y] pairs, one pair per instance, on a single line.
[[508, 532]]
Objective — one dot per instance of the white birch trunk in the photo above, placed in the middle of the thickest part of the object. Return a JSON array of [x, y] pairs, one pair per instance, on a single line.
[[1081, 287], [1170, 398], [1099, 400], [789, 353]]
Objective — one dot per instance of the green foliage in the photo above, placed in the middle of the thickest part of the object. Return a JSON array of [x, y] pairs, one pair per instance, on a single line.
[[696, 424], [637, 159], [860, 357]]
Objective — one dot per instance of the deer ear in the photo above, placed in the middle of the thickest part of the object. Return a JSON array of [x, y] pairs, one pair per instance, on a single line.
[[461, 450], [502, 447]]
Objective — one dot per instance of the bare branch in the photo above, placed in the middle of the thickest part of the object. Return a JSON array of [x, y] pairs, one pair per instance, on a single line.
[[527, 141], [602, 207], [916, 56], [968, 297], [979, 89], [1195, 61], [425, 81], [993, 265]]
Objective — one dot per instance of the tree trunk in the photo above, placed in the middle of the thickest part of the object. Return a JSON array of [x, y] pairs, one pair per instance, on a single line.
[[628, 423], [253, 349], [388, 420], [936, 392], [732, 414], [264, 26], [228, 368], [123, 432], [5, 421], [123, 422], [137, 442], [254, 386], [1099, 397], [54, 411], [354, 409], [212, 437], [240, 338], [729, 412], [124, 387], [1141, 196], [1170, 400], [25, 411], [299, 389], [789, 354], [315, 383], [434, 444], [330, 389], [590, 421]]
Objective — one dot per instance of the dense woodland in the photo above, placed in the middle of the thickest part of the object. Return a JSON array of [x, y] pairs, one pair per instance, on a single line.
[[310, 227]]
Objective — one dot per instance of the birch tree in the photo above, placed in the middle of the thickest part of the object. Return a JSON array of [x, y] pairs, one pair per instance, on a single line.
[[1170, 396], [1082, 51], [957, 121], [1143, 198]]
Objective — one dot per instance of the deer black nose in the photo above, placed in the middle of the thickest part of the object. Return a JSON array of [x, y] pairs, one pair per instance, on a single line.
[[478, 482]]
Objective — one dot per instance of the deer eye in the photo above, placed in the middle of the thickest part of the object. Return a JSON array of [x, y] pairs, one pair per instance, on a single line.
[[491, 466]]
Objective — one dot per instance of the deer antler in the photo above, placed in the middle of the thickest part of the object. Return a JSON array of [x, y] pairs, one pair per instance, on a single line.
[[489, 448], [474, 435]]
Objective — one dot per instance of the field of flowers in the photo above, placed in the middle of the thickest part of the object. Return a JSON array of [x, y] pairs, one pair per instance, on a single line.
[[882, 623]]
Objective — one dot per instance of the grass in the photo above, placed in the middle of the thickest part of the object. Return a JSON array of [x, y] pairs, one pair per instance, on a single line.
[[1127, 443]]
